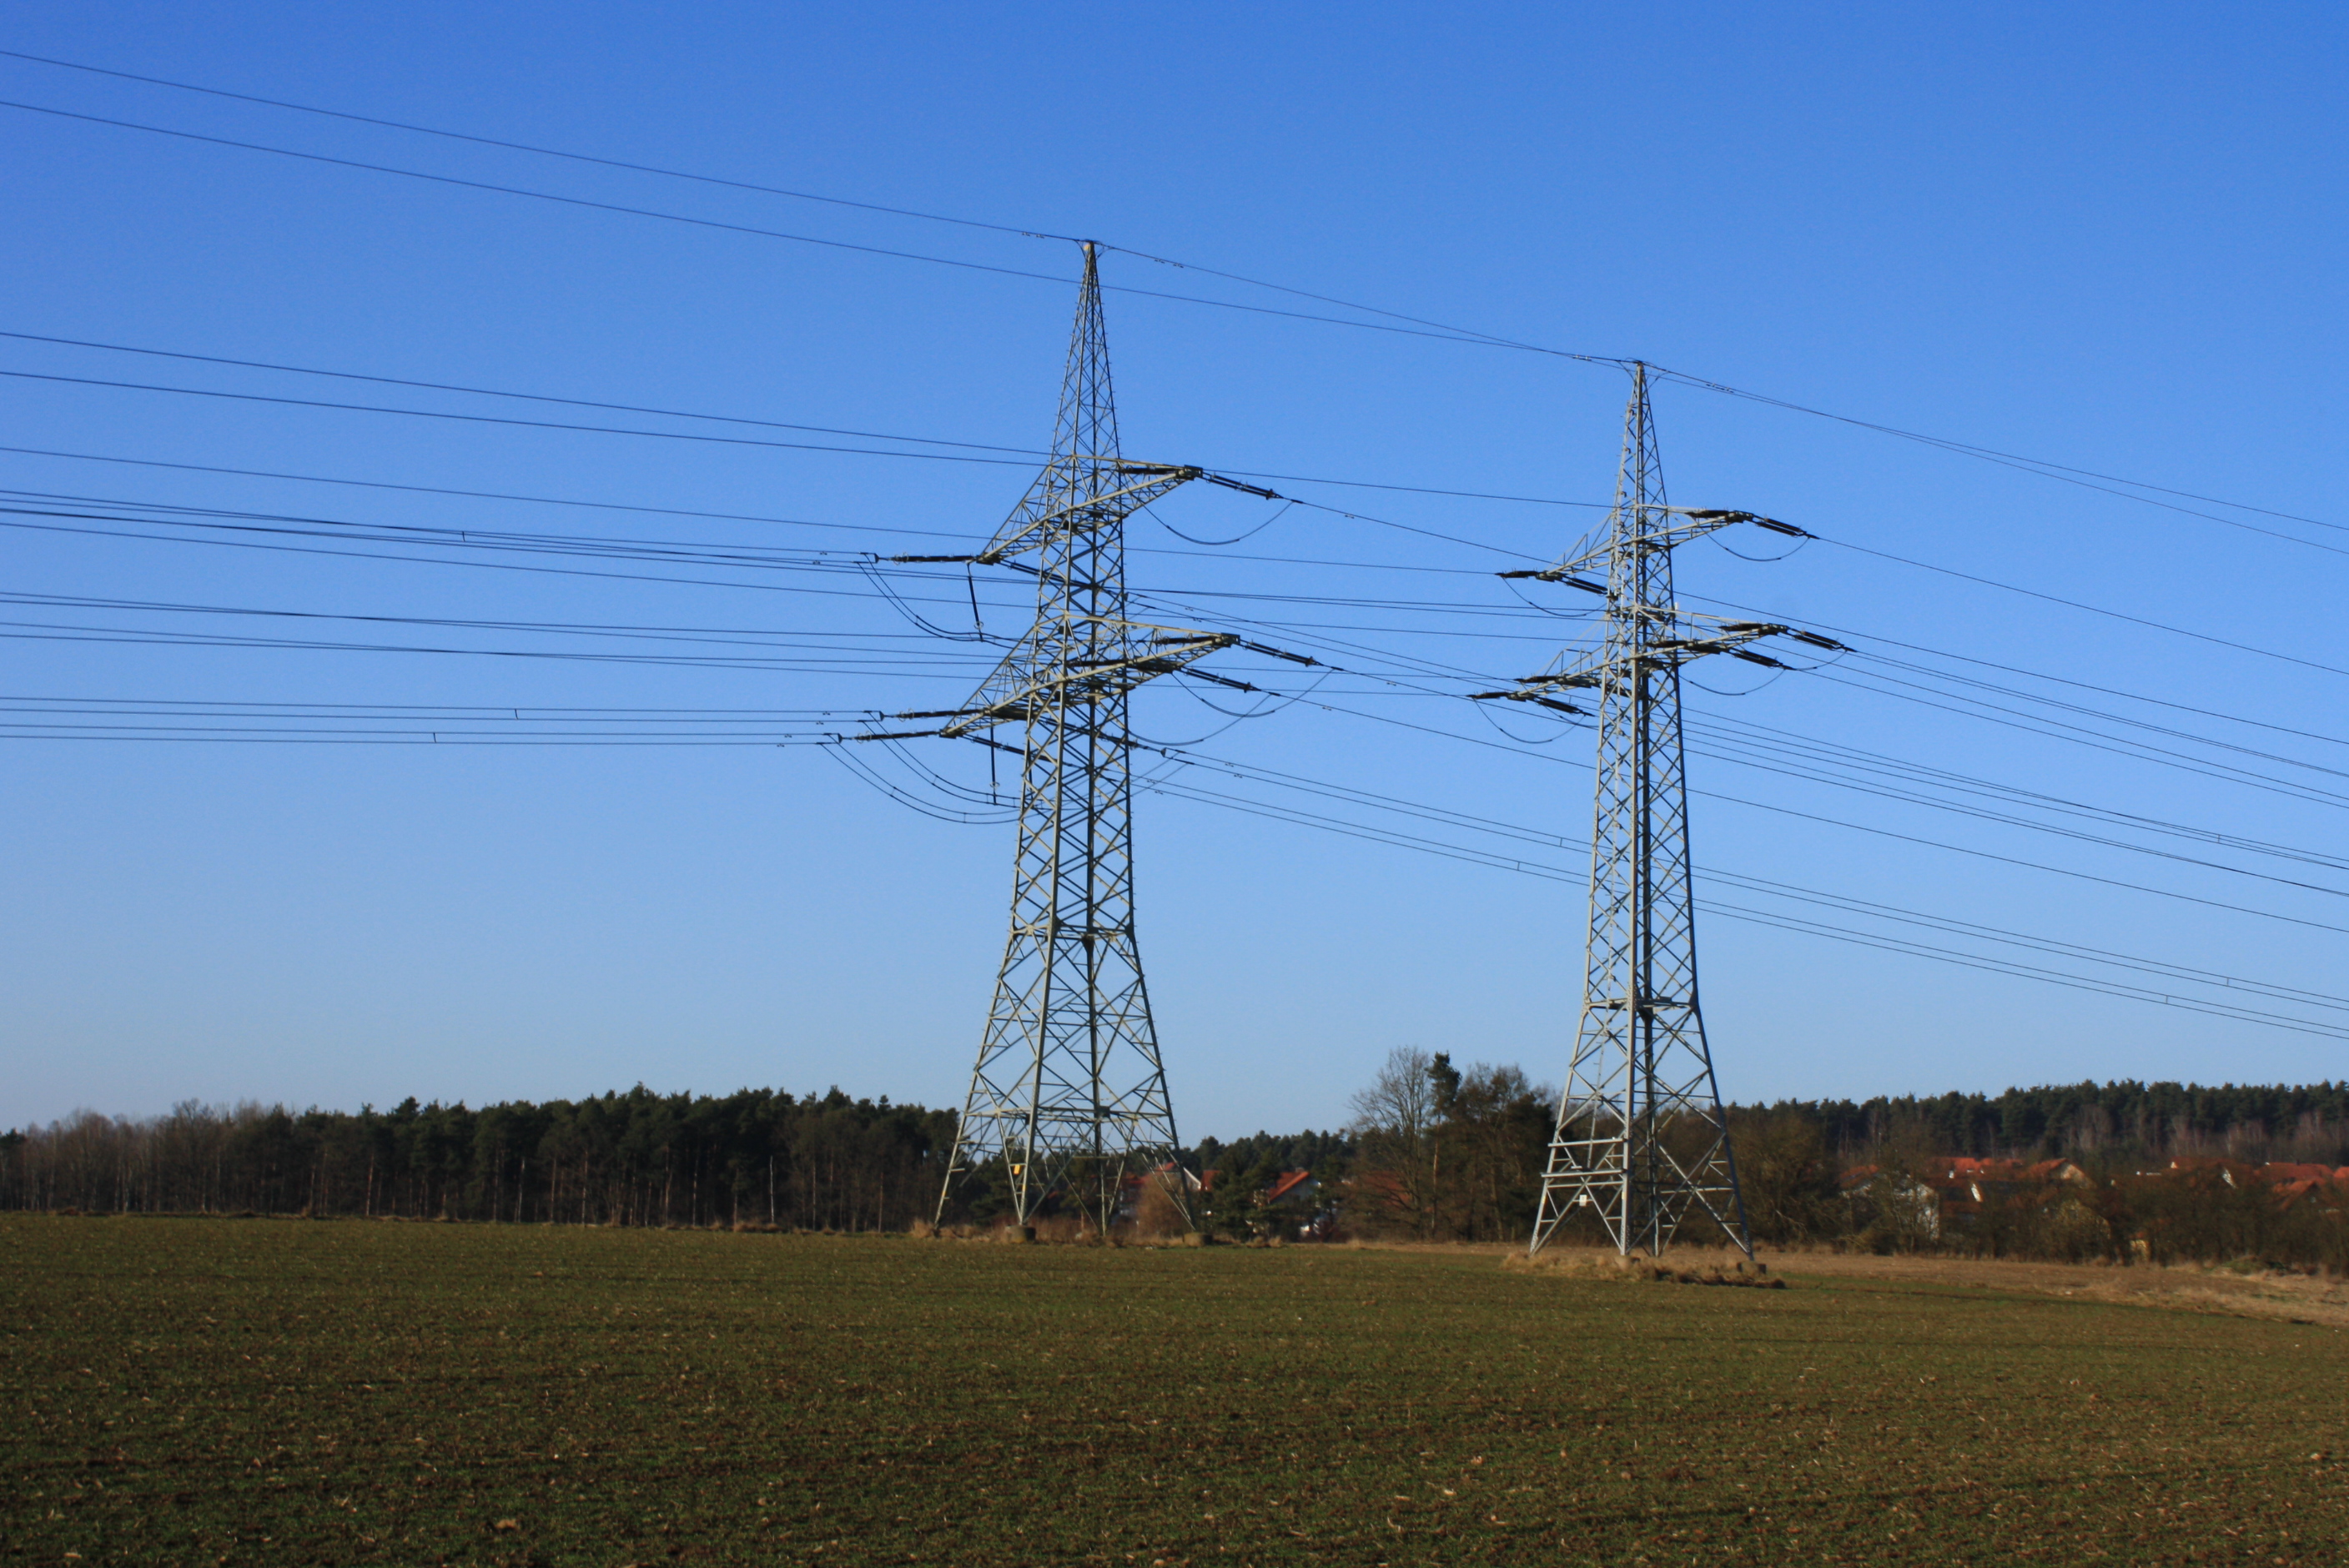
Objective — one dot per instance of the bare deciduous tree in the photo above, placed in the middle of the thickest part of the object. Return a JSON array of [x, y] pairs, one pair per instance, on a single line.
[[1397, 1163], [1444, 1154]]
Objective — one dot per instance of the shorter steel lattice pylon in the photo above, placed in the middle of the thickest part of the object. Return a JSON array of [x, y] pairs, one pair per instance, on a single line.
[[1641, 1144]]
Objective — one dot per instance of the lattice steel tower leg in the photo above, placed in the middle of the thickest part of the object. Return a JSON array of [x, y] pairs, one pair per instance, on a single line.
[[1640, 1141], [1068, 1087]]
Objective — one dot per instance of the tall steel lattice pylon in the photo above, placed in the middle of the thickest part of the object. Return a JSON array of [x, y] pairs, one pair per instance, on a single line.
[[1069, 1090], [1640, 1142]]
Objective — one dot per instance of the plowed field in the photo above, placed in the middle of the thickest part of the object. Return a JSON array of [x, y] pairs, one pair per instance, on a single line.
[[224, 1391]]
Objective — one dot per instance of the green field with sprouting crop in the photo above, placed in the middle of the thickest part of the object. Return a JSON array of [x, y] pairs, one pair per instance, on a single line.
[[227, 1391]]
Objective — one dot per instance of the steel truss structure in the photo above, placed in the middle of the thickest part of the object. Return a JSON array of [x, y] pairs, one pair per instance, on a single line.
[[1069, 1092], [1640, 1143]]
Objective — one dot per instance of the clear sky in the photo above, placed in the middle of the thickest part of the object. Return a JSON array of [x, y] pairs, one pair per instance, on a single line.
[[2106, 237]]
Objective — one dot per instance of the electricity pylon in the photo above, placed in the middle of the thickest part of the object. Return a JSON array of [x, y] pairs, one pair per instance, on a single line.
[[1069, 1073], [1640, 1141]]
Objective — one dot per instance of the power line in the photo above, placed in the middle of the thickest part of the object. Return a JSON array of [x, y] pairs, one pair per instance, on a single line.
[[1520, 750], [34, 709], [944, 456], [954, 456], [495, 392], [866, 527], [740, 517], [1823, 777], [1250, 772], [1021, 454], [2080, 735], [835, 655], [1388, 604], [1412, 326], [924, 652], [473, 539], [423, 737], [2134, 748], [496, 710], [581, 202], [36, 631], [1809, 751], [21, 502], [139, 635], [1353, 794], [2016, 861], [493, 540], [2137, 749], [2042, 467], [452, 740], [761, 558], [525, 147], [1029, 233], [2090, 685], [507, 420], [1914, 775], [604, 548], [1968, 705], [480, 495], [1714, 907], [2091, 609], [15, 519], [217, 641]]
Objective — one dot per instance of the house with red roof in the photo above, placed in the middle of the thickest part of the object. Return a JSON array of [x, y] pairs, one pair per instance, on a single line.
[[1292, 1184]]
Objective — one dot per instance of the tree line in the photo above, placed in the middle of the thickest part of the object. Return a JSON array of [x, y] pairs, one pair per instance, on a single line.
[[2117, 1123], [754, 1156], [1442, 1154], [1433, 1152]]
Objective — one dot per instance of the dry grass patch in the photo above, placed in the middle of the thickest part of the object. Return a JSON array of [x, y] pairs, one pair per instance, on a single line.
[[1681, 1268], [2290, 1296]]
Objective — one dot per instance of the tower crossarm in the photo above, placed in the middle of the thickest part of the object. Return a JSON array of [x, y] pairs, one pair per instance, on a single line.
[[1660, 528], [1034, 521], [1602, 670], [1022, 685]]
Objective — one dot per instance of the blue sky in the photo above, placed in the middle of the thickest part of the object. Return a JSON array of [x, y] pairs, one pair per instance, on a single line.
[[2101, 236]]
